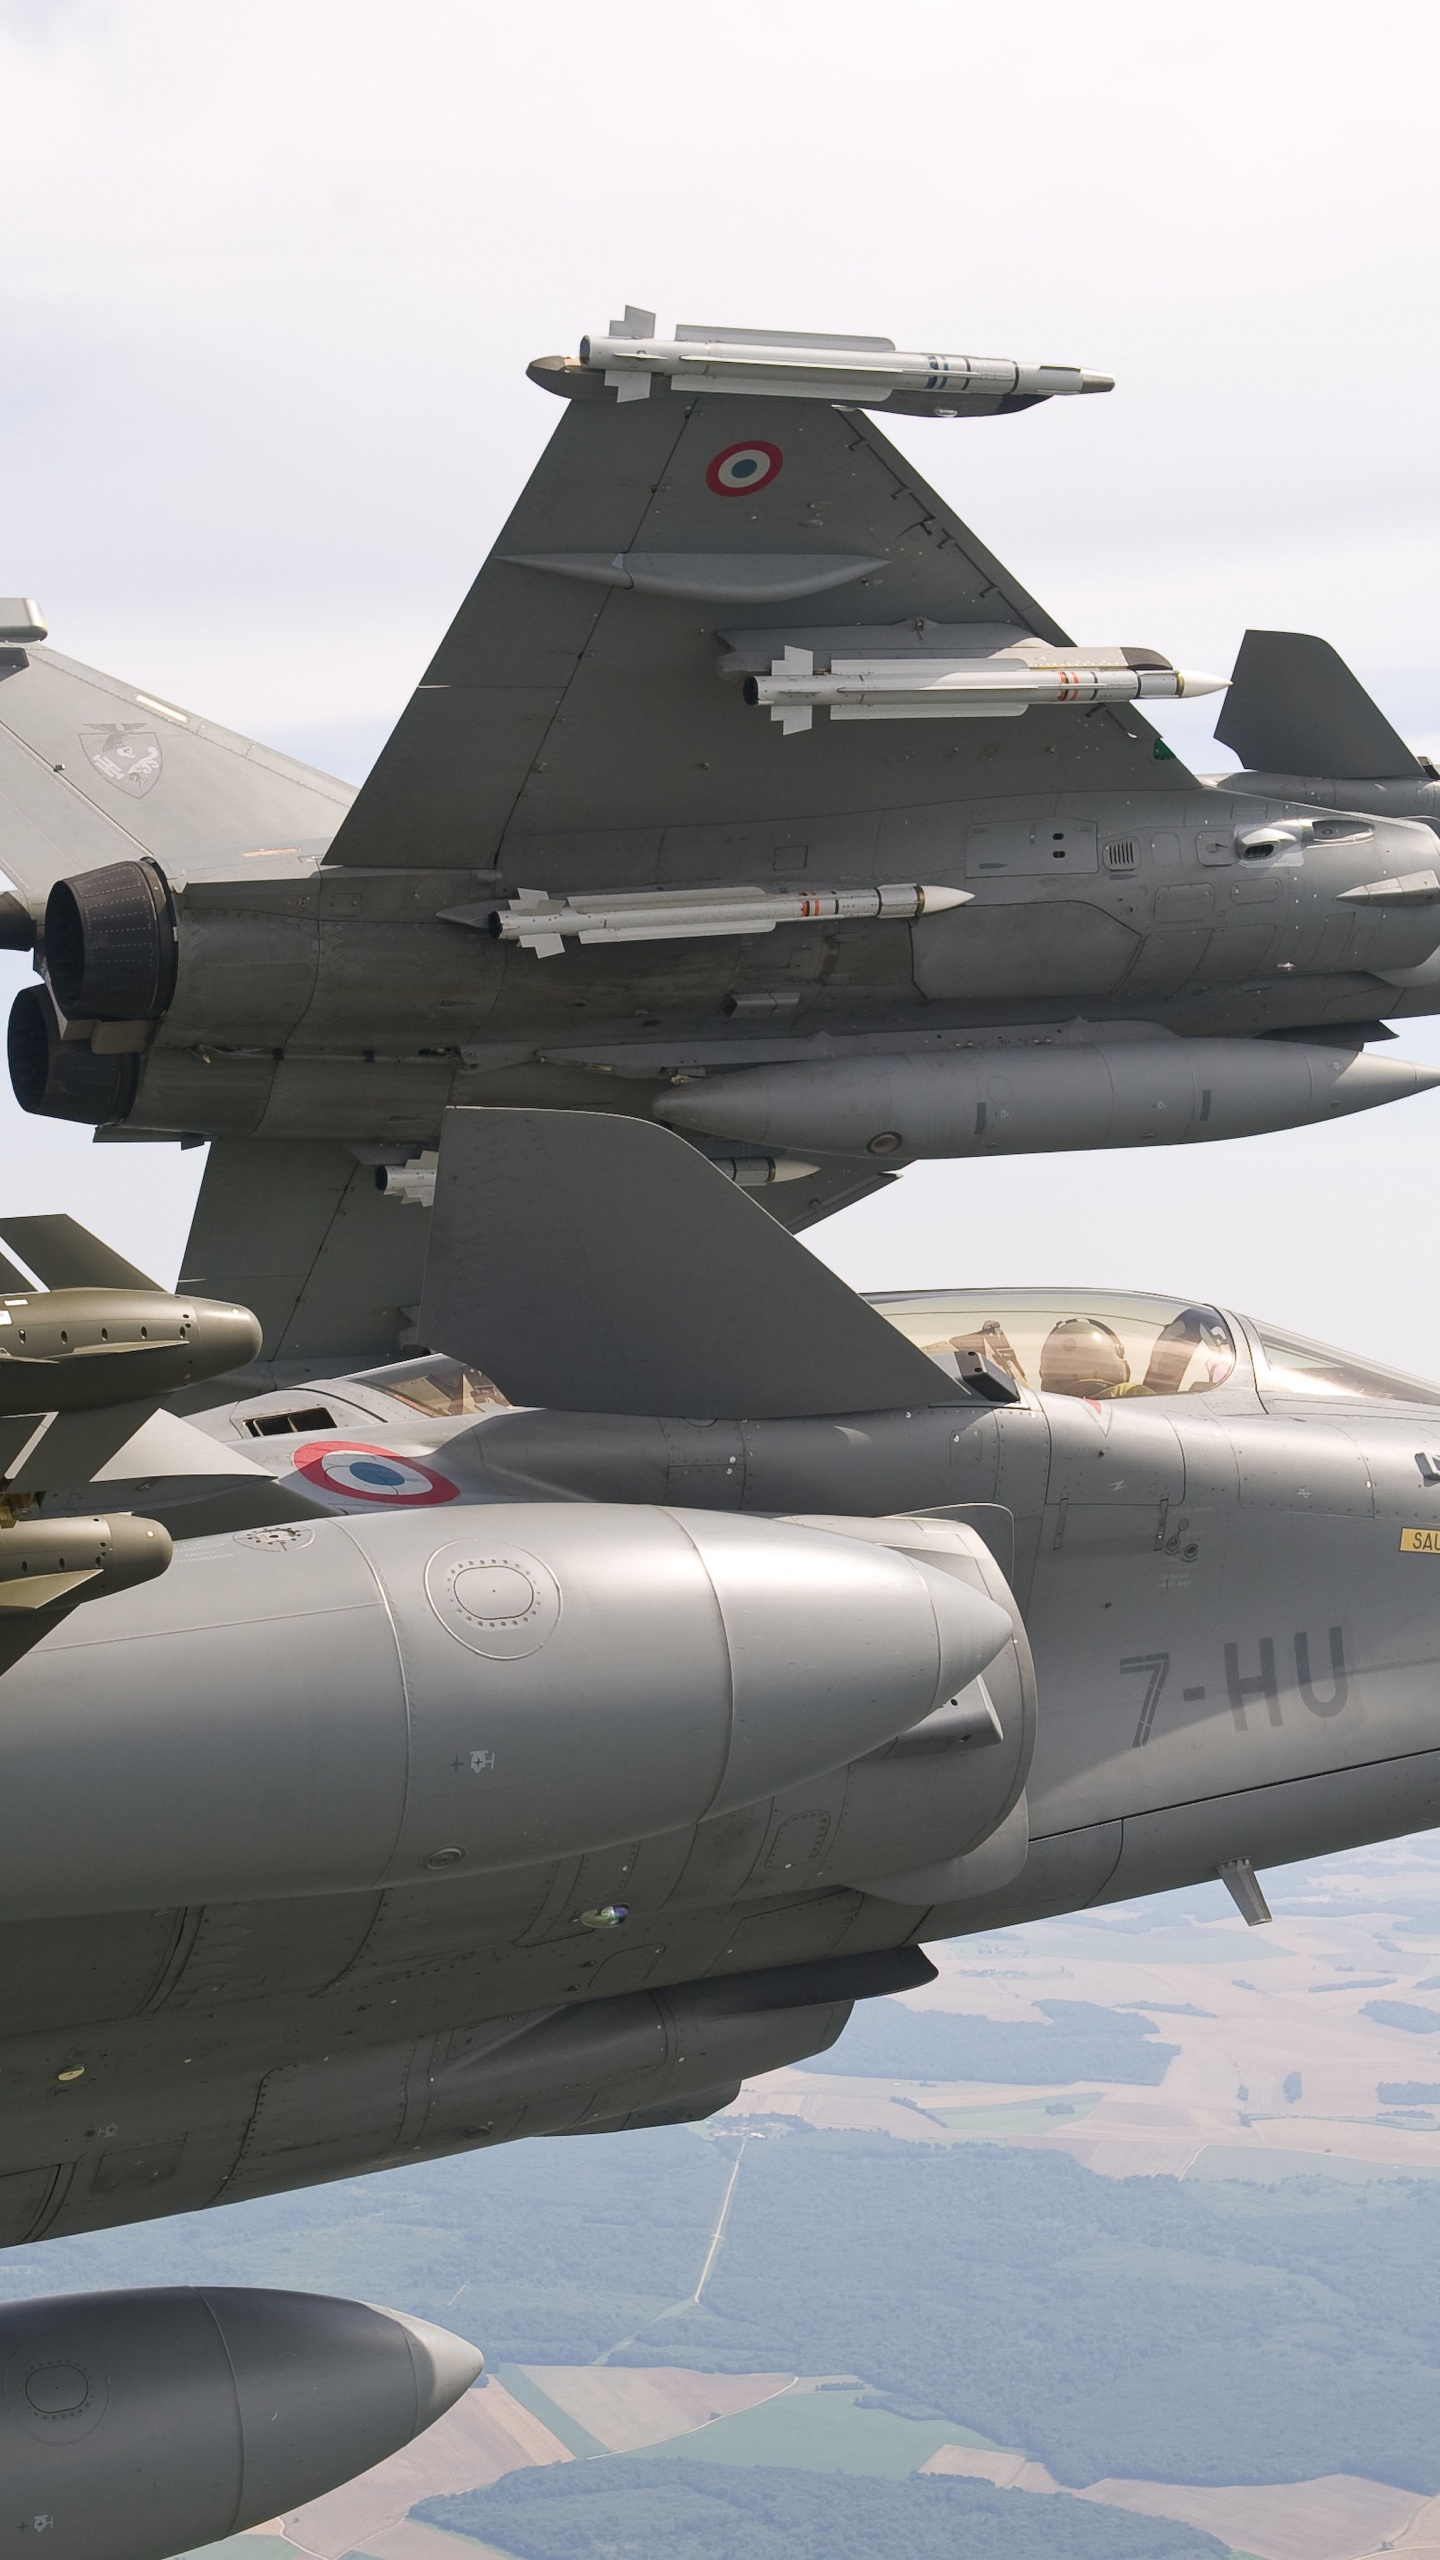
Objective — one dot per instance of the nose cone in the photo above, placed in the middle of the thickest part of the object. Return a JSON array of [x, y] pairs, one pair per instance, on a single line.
[[445, 2366], [1370, 1078], [224, 1337]]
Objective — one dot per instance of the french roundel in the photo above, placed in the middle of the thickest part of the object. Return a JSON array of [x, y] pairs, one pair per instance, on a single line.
[[359, 1473], [742, 467]]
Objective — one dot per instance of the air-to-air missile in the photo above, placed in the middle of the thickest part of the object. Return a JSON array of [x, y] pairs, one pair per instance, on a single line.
[[637, 826], [607, 1698], [1002, 687], [135, 2424], [76, 1350], [810, 366], [542, 924], [82, 1369]]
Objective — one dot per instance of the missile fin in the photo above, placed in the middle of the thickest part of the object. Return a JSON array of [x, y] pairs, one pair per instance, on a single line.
[[64, 1255]]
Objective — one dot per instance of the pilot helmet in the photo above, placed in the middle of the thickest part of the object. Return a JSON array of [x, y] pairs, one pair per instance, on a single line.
[[1082, 1357]]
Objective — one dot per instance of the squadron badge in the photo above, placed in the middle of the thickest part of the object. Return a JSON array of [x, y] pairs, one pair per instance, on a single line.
[[130, 758]]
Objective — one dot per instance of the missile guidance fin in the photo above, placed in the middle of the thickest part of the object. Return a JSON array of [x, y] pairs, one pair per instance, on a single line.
[[64, 1255]]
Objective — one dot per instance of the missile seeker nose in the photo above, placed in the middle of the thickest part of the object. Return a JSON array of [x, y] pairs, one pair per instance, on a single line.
[[75, 1350]]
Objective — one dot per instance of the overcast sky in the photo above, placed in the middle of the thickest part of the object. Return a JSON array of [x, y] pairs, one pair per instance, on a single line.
[[272, 274]]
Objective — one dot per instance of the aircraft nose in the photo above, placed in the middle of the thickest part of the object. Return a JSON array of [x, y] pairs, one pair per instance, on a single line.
[[445, 2366]]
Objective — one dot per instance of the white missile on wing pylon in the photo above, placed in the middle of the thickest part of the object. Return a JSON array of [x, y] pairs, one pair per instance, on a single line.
[[542, 924], [796, 364], [932, 688]]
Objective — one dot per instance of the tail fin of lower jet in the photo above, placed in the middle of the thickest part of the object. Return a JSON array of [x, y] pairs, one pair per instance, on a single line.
[[1294, 707], [598, 1264]]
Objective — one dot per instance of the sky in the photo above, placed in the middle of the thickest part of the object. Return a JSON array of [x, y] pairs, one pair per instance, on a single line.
[[273, 273]]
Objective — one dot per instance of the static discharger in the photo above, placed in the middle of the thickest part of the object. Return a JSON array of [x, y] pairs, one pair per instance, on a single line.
[[1243, 1886], [996, 688], [543, 924], [795, 364]]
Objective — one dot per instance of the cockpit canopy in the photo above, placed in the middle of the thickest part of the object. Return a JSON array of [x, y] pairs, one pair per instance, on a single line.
[[1103, 1344], [436, 1387]]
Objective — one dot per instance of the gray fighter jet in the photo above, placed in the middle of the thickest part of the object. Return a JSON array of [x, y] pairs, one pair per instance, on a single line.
[[604, 1702], [746, 789]]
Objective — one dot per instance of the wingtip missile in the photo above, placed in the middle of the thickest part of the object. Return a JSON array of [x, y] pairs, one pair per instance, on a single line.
[[861, 373]]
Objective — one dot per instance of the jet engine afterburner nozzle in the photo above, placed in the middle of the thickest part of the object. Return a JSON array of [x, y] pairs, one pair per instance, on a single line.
[[65, 1079], [109, 943], [137, 2424]]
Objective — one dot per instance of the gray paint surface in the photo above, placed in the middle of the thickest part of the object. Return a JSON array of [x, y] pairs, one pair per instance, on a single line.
[[647, 1282], [581, 727]]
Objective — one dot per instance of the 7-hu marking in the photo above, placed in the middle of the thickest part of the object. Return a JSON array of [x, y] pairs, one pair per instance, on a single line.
[[1245, 1688], [1156, 1666], [1264, 1684]]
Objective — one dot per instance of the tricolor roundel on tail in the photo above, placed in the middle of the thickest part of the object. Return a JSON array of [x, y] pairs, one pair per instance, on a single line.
[[743, 467]]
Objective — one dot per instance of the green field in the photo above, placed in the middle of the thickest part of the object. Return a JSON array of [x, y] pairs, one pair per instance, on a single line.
[[819, 2431], [523, 2387], [686, 2509], [1275, 2168], [1016, 2115]]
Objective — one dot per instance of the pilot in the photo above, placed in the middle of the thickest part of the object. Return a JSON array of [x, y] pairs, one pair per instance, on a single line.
[[1193, 1329], [1083, 1357]]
